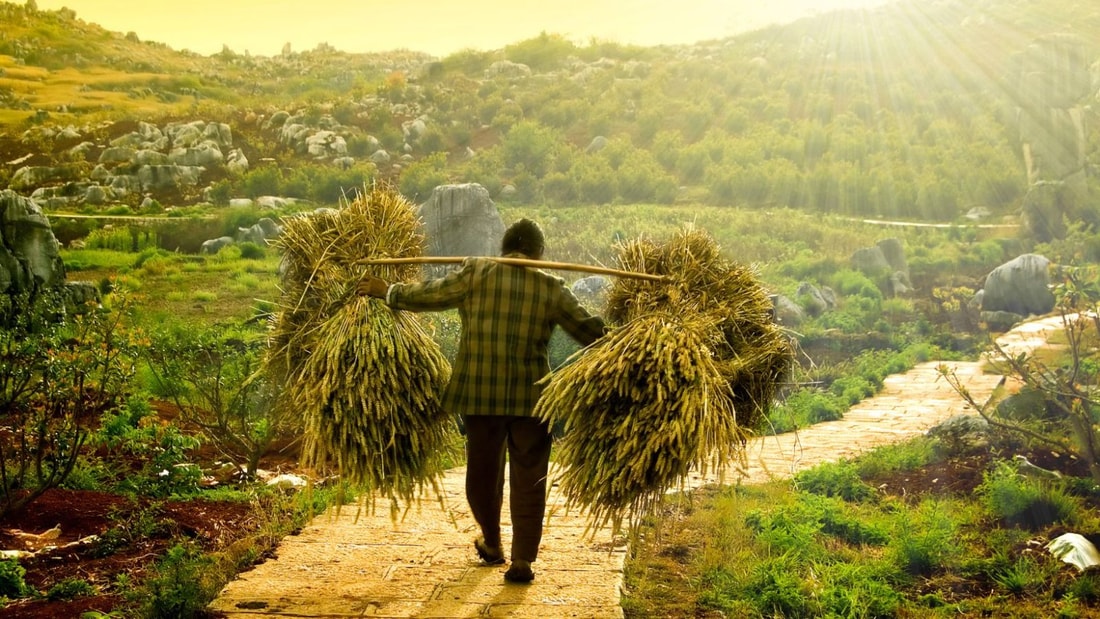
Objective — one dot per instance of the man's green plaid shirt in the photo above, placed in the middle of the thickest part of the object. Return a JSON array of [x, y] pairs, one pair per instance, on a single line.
[[508, 313]]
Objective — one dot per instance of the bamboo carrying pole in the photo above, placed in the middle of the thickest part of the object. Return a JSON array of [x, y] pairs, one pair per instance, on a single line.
[[526, 262]]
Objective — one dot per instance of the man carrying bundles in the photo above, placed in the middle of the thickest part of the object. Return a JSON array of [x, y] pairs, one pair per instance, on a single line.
[[508, 313]]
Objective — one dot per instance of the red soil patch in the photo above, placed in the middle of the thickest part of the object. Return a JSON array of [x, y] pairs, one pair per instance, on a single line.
[[129, 537]]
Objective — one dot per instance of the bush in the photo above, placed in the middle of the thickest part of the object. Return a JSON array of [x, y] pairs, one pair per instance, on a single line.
[[156, 456], [252, 251], [925, 539], [213, 376], [12, 584], [59, 375], [421, 177], [180, 587], [839, 479], [70, 588], [1021, 501], [804, 407]]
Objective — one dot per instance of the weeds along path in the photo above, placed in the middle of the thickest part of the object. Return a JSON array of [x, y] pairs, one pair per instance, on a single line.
[[350, 564]]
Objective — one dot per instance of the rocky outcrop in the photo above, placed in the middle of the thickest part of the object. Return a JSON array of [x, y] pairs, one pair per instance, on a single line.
[[461, 220], [1020, 286], [30, 258], [886, 263], [1054, 82]]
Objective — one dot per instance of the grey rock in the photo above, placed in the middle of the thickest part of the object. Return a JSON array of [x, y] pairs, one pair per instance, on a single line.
[[962, 434], [507, 68], [30, 258], [1000, 321], [277, 119], [461, 220], [870, 261], [978, 213], [592, 290], [213, 246], [787, 312], [894, 252], [240, 202], [185, 135], [380, 157], [813, 302], [81, 294], [149, 157], [95, 194], [81, 150], [29, 177], [236, 162], [99, 174], [1019, 286], [597, 144], [202, 154], [156, 177], [274, 202], [116, 154]]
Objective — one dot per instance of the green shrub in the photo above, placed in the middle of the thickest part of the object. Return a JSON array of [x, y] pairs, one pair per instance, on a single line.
[[924, 539], [180, 587], [252, 251], [906, 456], [777, 589], [853, 283], [156, 457], [786, 531], [70, 588], [12, 584], [840, 479], [1022, 576], [803, 408], [59, 372], [1021, 501], [857, 590], [219, 388], [419, 178]]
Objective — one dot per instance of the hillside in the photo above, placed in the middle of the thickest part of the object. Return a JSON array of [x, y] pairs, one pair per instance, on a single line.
[[914, 110]]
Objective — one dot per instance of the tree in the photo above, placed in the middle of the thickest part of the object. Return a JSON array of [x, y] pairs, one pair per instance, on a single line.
[[58, 375], [1067, 389], [531, 147]]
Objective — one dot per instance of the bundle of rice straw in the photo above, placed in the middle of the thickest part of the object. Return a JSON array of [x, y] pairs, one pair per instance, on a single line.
[[364, 378], [680, 385]]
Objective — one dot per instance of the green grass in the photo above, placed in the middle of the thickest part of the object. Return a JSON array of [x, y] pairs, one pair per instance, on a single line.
[[813, 548]]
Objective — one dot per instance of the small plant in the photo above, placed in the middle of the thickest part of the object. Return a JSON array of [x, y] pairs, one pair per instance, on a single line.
[[12, 584], [1022, 576], [70, 588], [179, 588], [923, 540], [1021, 501], [839, 479]]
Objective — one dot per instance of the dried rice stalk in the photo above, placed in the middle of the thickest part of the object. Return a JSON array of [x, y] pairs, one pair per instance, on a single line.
[[365, 379], [684, 381]]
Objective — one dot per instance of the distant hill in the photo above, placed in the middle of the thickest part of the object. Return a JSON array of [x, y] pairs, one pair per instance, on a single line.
[[911, 110]]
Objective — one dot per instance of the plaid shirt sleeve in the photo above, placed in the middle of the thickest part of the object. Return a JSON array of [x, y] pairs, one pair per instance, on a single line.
[[508, 314]]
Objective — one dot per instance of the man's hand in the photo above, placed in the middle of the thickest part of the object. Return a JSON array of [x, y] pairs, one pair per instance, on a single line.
[[372, 287]]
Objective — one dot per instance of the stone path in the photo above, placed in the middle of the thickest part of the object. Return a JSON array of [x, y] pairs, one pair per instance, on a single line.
[[348, 564]]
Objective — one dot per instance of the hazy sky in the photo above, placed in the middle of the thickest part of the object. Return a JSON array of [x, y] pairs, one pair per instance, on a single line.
[[438, 27]]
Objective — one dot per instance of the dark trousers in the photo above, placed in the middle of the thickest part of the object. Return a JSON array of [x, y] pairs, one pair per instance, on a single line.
[[526, 441]]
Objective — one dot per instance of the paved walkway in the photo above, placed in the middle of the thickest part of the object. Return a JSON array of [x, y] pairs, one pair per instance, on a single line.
[[348, 564]]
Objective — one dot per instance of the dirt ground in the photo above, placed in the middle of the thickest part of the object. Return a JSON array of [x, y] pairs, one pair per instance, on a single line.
[[130, 536]]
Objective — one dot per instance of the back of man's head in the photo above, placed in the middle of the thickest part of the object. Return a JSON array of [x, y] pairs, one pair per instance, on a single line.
[[525, 237]]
